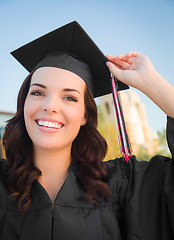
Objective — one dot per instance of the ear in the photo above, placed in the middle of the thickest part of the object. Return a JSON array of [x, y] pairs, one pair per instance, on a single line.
[[84, 122]]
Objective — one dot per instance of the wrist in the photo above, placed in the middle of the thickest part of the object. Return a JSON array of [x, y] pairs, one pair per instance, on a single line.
[[150, 81]]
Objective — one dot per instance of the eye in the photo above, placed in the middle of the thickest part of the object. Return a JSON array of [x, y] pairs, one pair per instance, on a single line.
[[69, 98], [37, 93]]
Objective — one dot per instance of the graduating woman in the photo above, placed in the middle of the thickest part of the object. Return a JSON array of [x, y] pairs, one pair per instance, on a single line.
[[54, 183]]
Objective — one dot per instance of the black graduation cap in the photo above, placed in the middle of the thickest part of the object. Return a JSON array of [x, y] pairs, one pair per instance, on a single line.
[[69, 47], [67, 42]]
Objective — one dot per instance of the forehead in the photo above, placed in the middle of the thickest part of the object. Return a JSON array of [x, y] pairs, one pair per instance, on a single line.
[[52, 76]]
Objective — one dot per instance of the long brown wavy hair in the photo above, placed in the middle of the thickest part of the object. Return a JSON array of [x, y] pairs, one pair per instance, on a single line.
[[88, 155]]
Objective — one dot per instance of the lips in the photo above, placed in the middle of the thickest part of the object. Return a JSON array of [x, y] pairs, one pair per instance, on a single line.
[[50, 124]]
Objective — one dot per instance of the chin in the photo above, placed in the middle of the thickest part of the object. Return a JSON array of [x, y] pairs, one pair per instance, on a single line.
[[51, 146]]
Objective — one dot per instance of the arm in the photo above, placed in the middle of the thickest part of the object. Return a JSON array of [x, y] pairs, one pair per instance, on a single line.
[[136, 70]]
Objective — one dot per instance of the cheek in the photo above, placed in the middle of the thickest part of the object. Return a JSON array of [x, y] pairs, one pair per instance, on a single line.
[[27, 109], [27, 113], [76, 115], [30, 107]]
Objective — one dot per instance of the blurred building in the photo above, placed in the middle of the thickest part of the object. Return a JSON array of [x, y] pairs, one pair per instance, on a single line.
[[4, 117], [140, 134]]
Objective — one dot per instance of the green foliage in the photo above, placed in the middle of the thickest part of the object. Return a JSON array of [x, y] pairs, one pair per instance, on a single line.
[[163, 148], [142, 154], [160, 148]]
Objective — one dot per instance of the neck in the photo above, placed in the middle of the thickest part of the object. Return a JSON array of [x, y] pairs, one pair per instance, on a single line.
[[52, 162]]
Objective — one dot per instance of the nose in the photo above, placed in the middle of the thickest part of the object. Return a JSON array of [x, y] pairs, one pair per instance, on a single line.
[[51, 105]]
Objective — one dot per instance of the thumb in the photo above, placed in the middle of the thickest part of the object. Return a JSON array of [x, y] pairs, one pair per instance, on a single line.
[[114, 70]]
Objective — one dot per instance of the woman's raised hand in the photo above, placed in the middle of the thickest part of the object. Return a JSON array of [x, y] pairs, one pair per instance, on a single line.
[[134, 69]]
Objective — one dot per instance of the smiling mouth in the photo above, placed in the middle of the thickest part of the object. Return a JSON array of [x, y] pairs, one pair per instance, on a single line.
[[47, 124]]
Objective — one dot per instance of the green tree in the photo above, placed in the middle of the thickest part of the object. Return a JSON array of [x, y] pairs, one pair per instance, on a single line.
[[160, 147], [142, 154], [163, 148]]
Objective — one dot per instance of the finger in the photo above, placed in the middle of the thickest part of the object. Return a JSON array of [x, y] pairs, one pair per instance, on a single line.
[[113, 69], [133, 54], [122, 57], [111, 58], [130, 60], [122, 64], [119, 67]]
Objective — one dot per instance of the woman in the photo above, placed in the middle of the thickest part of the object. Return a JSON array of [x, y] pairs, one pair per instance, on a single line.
[[61, 189]]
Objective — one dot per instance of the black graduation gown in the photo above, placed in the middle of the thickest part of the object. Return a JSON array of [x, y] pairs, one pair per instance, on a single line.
[[141, 206]]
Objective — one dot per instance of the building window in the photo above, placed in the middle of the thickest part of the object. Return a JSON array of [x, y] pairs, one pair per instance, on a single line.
[[107, 108]]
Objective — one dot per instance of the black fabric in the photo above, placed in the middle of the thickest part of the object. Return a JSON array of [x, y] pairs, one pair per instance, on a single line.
[[67, 62], [70, 39], [141, 206]]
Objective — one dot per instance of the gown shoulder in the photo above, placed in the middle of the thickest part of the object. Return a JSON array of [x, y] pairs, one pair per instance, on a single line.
[[147, 194]]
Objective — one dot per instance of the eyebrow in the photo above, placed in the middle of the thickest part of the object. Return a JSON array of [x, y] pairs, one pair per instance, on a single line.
[[65, 89], [70, 90], [39, 85]]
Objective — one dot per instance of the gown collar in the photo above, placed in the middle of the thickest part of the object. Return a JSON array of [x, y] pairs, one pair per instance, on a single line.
[[69, 195]]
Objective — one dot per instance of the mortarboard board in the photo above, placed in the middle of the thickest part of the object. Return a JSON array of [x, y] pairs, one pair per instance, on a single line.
[[70, 39]]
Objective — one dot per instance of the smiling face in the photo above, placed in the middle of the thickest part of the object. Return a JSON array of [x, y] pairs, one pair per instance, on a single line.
[[54, 108]]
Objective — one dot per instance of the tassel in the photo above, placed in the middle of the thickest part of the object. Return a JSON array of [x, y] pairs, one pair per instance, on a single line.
[[123, 139]]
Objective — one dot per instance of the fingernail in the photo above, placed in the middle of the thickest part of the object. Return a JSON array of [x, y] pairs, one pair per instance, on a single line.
[[107, 64]]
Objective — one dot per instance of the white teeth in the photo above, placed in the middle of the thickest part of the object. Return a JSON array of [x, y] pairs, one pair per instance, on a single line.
[[49, 124]]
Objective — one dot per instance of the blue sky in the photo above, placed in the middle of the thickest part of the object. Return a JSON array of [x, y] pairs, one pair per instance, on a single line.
[[116, 27]]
